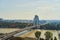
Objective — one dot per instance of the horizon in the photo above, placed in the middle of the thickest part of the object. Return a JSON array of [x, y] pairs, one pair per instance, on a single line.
[[26, 9], [31, 19]]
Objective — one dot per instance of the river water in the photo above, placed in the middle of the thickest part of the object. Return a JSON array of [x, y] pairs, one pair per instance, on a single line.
[[8, 30]]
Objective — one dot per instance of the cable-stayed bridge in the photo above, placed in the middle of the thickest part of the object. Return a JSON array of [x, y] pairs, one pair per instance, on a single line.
[[9, 35], [36, 24]]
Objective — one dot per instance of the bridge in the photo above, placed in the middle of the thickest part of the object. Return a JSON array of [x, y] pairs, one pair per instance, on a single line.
[[9, 35], [36, 24]]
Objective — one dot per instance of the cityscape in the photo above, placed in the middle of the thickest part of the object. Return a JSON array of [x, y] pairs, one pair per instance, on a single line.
[[35, 22]]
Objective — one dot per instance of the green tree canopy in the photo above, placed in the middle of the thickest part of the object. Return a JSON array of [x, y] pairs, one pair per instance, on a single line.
[[37, 34], [48, 35]]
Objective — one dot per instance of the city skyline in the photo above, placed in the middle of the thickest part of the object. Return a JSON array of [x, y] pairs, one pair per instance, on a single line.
[[26, 9]]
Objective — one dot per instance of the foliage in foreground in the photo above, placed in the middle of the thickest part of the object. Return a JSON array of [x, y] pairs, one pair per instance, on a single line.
[[37, 34]]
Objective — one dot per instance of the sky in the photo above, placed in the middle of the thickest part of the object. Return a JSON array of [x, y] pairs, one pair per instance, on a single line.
[[27, 9]]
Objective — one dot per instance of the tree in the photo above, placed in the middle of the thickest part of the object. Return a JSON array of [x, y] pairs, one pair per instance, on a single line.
[[59, 36], [55, 38], [48, 35], [51, 38], [37, 34]]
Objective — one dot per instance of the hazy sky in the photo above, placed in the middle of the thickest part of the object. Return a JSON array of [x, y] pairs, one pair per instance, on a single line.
[[26, 9]]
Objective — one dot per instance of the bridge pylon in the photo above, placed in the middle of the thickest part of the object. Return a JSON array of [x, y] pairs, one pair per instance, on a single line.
[[36, 22]]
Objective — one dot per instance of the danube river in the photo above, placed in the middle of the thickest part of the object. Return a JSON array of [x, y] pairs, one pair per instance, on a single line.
[[8, 30]]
